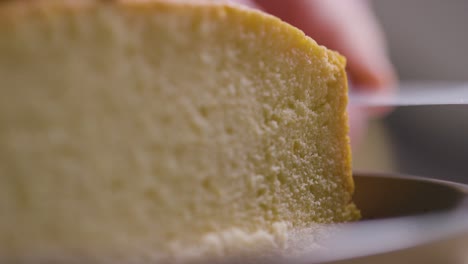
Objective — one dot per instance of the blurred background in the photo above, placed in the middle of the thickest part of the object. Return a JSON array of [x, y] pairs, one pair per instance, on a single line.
[[428, 40]]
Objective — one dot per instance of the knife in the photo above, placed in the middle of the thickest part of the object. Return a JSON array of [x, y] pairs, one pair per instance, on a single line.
[[414, 93]]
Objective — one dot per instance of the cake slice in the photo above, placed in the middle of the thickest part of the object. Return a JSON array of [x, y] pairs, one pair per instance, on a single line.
[[135, 132]]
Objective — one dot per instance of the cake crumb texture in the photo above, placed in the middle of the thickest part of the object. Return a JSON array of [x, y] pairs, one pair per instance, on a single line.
[[130, 129]]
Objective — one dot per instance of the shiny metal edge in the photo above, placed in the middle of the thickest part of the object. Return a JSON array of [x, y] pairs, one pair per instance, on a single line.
[[386, 236]]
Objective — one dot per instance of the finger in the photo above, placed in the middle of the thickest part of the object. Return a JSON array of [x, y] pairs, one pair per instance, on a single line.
[[350, 28], [249, 3], [346, 26]]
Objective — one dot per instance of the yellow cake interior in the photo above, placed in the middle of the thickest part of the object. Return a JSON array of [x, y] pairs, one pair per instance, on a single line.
[[159, 130]]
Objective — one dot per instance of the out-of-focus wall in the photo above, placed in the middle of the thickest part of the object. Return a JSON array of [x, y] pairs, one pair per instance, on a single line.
[[428, 40]]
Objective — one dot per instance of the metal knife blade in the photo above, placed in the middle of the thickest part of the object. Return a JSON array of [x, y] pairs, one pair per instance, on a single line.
[[414, 93]]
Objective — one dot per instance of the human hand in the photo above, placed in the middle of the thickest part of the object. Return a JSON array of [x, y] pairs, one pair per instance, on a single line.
[[350, 28]]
